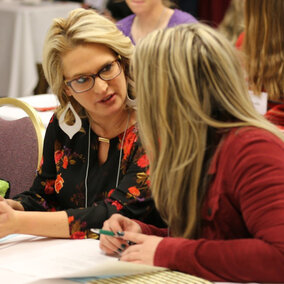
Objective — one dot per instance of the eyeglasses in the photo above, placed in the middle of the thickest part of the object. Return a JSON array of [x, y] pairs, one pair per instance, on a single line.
[[85, 83]]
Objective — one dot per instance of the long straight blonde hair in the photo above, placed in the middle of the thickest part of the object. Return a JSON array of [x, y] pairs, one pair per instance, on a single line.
[[188, 80], [264, 46]]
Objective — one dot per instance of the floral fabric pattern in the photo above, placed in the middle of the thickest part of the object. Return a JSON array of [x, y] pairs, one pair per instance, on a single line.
[[61, 179]]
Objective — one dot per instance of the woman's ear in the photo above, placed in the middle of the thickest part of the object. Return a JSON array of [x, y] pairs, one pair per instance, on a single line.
[[68, 91]]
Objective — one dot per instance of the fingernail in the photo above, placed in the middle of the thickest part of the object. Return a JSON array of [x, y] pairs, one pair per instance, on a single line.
[[119, 250], [123, 246], [120, 234]]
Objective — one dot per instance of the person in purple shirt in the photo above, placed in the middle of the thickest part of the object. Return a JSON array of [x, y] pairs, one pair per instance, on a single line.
[[150, 15]]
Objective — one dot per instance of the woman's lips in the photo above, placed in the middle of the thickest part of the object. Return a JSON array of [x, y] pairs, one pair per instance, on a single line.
[[107, 98]]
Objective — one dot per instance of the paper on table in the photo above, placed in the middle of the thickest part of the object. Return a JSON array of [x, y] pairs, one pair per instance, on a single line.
[[58, 258], [15, 239]]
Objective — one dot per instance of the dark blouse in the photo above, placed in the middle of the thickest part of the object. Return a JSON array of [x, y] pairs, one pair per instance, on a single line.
[[60, 181]]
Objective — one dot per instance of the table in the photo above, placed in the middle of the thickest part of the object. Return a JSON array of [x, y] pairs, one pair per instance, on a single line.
[[22, 31], [27, 259], [45, 104], [31, 259]]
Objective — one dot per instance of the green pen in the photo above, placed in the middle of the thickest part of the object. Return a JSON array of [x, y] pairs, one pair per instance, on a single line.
[[109, 233], [103, 232]]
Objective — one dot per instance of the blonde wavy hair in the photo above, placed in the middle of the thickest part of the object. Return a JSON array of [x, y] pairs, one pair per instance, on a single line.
[[264, 46], [82, 26], [189, 83]]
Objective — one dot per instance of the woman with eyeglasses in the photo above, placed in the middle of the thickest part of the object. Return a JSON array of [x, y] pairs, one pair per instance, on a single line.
[[216, 164], [93, 164]]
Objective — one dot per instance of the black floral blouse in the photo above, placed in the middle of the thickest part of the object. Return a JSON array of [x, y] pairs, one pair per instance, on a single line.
[[60, 180]]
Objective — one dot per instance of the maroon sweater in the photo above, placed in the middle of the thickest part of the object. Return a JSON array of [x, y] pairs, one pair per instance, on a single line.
[[242, 218]]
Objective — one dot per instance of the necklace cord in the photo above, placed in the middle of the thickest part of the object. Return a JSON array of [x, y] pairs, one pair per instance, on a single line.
[[88, 160], [87, 167], [120, 152]]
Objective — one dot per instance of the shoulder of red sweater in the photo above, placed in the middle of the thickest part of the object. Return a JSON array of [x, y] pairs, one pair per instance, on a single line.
[[250, 133], [242, 137]]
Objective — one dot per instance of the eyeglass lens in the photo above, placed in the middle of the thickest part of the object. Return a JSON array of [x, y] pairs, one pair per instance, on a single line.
[[85, 83]]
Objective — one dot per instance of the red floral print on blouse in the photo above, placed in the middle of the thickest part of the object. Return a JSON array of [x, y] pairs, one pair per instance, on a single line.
[[58, 183], [78, 235], [70, 219], [65, 162], [143, 162], [75, 226], [110, 192], [49, 186], [41, 162], [148, 180], [134, 190], [117, 205], [129, 140], [58, 155]]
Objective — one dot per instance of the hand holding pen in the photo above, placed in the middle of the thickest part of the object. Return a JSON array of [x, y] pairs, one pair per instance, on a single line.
[[118, 231], [110, 233], [112, 243]]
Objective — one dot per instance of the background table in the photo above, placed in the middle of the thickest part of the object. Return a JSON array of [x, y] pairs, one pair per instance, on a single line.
[[45, 104], [22, 31]]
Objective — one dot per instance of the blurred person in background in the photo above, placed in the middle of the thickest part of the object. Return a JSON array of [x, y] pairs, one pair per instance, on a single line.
[[232, 24], [263, 45], [118, 9], [150, 15], [190, 6], [212, 12]]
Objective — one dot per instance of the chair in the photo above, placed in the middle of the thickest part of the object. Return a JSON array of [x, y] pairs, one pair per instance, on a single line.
[[21, 147]]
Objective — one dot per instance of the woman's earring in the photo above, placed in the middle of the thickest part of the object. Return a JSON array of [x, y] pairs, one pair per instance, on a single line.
[[70, 130], [130, 102]]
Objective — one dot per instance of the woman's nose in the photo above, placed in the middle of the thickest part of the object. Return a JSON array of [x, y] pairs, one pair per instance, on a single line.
[[100, 85]]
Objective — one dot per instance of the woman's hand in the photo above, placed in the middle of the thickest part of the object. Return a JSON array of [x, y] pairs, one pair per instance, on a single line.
[[13, 203], [117, 223], [8, 219], [143, 251]]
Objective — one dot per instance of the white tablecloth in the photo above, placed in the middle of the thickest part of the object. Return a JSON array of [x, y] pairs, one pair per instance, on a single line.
[[22, 32], [44, 104]]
